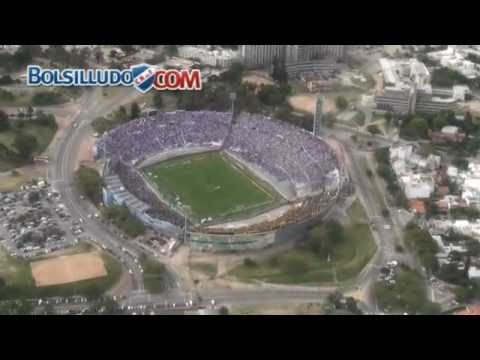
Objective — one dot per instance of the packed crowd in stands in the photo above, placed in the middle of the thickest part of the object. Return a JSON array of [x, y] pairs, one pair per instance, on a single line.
[[135, 184], [283, 150], [306, 210], [146, 136], [278, 148]]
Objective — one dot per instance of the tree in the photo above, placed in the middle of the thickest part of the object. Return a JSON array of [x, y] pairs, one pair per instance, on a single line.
[[25, 144], [121, 115], [43, 119], [99, 58], [249, 262], [89, 183], [439, 122], [22, 56], [134, 111], [45, 98], [271, 95], [279, 72], [127, 49], [6, 80], [171, 50], [4, 122], [223, 310], [29, 112], [59, 54], [421, 242], [234, 74], [335, 298], [468, 121], [388, 118], [341, 103], [157, 100], [6, 96], [373, 129], [416, 128], [461, 163]]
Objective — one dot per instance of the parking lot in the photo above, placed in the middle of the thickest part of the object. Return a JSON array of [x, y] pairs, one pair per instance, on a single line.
[[34, 222]]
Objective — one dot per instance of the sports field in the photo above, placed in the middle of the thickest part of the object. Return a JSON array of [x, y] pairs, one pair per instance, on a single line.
[[68, 269], [209, 185]]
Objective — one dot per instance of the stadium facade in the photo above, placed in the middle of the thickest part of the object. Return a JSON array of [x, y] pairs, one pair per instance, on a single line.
[[303, 169], [263, 55]]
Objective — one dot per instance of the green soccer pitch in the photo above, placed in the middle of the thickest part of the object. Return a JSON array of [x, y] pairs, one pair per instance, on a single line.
[[211, 186]]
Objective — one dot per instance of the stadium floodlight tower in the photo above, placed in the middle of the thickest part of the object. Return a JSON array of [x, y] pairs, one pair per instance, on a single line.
[[233, 97], [317, 117]]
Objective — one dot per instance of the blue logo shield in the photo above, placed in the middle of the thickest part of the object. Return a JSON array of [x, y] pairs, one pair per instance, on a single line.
[[143, 77]]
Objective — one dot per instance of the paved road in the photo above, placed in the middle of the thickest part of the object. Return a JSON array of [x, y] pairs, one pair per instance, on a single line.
[[60, 174]]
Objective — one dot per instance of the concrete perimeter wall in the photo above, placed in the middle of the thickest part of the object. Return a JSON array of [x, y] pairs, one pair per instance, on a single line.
[[176, 153]]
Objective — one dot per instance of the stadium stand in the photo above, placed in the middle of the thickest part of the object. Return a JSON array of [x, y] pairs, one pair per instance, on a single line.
[[281, 150]]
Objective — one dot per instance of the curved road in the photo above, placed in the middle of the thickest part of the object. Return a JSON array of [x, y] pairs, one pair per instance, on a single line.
[[62, 167]]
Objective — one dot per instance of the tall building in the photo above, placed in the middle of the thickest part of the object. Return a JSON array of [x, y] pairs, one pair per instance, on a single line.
[[317, 117], [411, 100], [296, 53], [261, 55]]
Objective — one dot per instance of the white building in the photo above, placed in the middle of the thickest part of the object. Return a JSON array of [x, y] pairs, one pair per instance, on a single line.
[[454, 57], [473, 272], [401, 74], [417, 186], [460, 92], [221, 58], [471, 191]]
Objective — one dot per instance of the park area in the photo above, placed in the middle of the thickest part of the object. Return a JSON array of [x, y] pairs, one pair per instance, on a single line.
[[408, 294], [22, 97], [155, 276], [331, 253], [43, 135], [20, 278], [209, 185]]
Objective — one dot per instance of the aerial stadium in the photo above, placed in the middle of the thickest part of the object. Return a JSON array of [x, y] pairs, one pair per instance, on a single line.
[[220, 183]]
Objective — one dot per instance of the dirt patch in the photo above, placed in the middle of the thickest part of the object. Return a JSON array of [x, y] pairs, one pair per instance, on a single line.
[[85, 153], [306, 103], [257, 78], [68, 269], [471, 106]]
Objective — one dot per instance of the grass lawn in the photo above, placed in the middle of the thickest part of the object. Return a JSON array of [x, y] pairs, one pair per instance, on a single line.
[[282, 309], [333, 261], [155, 276], [43, 134], [408, 294], [20, 283], [209, 184], [23, 97], [205, 268]]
